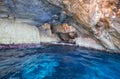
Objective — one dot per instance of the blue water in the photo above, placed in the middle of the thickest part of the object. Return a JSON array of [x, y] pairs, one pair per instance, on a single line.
[[58, 62]]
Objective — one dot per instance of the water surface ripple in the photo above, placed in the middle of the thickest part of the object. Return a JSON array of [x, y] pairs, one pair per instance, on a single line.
[[58, 62]]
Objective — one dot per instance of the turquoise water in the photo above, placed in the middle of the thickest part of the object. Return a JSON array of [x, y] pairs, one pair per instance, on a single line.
[[58, 62]]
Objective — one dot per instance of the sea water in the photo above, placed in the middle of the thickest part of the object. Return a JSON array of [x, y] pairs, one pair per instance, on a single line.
[[58, 62]]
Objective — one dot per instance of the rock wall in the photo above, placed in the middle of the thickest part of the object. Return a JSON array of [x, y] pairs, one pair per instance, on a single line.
[[96, 21], [15, 32]]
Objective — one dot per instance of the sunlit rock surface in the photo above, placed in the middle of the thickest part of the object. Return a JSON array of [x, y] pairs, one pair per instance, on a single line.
[[15, 32], [46, 34], [100, 18], [65, 32], [95, 21]]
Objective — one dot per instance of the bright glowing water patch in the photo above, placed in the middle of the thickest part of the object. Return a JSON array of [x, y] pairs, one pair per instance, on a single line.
[[58, 62], [38, 67]]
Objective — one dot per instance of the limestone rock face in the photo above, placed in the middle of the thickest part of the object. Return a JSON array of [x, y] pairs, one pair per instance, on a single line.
[[65, 28], [15, 32], [36, 12], [65, 32], [46, 34], [95, 21], [100, 18]]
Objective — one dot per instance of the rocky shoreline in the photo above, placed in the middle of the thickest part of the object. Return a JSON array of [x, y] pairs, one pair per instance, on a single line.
[[37, 45], [14, 37], [87, 23]]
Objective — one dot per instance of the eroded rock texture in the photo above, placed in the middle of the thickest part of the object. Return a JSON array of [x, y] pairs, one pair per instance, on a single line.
[[97, 22], [36, 12], [99, 18]]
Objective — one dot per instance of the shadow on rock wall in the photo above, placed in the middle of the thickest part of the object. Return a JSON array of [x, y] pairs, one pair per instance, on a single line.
[[36, 12]]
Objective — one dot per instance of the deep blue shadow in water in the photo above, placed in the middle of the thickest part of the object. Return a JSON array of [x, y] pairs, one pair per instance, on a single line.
[[58, 62]]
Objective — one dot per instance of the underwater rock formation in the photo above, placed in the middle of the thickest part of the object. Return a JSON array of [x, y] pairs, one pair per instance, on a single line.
[[96, 22]]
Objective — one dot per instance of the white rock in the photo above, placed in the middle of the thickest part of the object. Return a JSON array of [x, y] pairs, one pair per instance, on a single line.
[[15, 32]]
